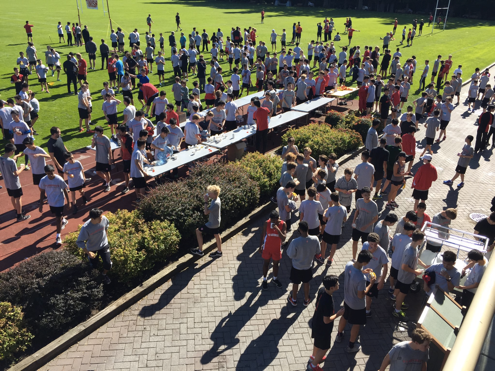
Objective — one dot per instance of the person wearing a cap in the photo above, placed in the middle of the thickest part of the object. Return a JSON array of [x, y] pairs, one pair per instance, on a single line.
[[423, 179], [397, 180]]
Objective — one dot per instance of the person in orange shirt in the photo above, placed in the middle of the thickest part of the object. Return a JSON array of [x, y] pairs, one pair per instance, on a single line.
[[262, 15], [29, 31], [252, 35], [82, 69], [446, 67], [170, 113]]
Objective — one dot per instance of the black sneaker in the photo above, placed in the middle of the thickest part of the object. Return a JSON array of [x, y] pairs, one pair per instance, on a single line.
[[85, 200], [277, 283], [273, 200], [125, 190], [23, 217], [197, 251], [216, 254], [368, 314], [264, 285]]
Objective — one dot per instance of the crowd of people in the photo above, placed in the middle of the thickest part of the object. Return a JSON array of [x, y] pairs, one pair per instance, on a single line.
[[326, 198]]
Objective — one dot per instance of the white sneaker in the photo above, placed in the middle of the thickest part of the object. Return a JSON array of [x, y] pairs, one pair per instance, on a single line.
[[58, 241], [64, 223]]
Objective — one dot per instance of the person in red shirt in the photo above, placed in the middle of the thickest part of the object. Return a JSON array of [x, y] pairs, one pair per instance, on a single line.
[[29, 31], [423, 179], [82, 69], [396, 22], [252, 35], [274, 233], [422, 216], [170, 113], [409, 146], [446, 67], [126, 150], [363, 94], [17, 79], [260, 116], [351, 32], [112, 72], [396, 97], [430, 19], [150, 92], [262, 15]]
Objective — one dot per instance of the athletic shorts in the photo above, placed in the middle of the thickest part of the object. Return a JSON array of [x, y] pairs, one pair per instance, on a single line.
[[353, 316], [471, 100], [394, 273], [378, 175], [309, 183], [112, 119], [103, 167], [321, 338], [105, 257], [331, 238], [369, 104], [57, 210], [160, 72], [320, 217], [460, 169], [231, 60], [297, 276], [397, 182], [300, 192], [237, 60], [443, 124], [42, 79], [409, 158], [127, 93], [429, 141], [32, 63], [16, 193], [390, 172], [78, 188], [484, 103], [139, 183], [434, 73], [114, 44], [235, 93], [403, 99], [83, 113], [140, 94], [420, 195], [373, 293], [482, 91], [92, 56], [150, 100], [310, 57], [112, 76], [245, 85], [150, 61], [357, 234], [37, 178], [272, 252], [81, 77], [314, 231], [419, 116], [209, 231], [127, 166], [403, 287]]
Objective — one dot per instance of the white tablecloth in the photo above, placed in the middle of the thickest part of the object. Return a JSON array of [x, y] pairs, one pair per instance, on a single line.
[[231, 137], [285, 118], [312, 104]]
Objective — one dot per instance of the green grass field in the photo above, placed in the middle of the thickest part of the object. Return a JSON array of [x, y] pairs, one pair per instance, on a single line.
[[468, 41]]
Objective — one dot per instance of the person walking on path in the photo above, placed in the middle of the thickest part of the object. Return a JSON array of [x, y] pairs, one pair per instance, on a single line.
[[412, 353], [423, 180], [93, 239], [212, 227], [273, 235], [302, 251], [10, 174], [55, 189], [365, 217], [323, 319], [465, 157], [355, 291]]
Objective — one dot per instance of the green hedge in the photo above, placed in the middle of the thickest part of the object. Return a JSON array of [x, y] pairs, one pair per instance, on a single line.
[[181, 202], [14, 337], [136, 245], [55, 291], [323, 139], [264, 170]]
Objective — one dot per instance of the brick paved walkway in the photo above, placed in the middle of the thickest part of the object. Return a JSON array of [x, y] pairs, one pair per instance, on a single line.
[[214, 315]]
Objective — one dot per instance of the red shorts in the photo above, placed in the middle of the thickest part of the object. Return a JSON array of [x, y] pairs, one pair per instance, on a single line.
[[272, 252]]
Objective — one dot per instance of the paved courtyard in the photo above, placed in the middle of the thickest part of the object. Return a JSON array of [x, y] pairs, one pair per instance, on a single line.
[[215, 316]]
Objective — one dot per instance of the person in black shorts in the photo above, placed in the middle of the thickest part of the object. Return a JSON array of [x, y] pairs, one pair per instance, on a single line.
[[94, 241], [354, 299], [322, 324]]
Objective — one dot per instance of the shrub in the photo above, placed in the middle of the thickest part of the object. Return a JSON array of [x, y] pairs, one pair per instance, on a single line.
[[264, 170], [55, 291], [362, 126], [14, 337], [350, 119], [181, 203], [135, 245], [322, 139], [334, 118]]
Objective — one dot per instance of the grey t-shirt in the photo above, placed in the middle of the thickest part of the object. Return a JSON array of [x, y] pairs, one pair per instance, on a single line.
[[354, 281], [80, 96], [286, 178], [37, 163], [400, 226], [442, 232], [379, 258], [331, 176], [282, 201], [301, 173], [467, 150], [342, 183], [371, 139], [440, 280], [405, 358], [301, 89], [400, 242], [409, 258], [382, 231], [8, 167], [93, 236], [54, 189], [310, 161], [311, 209], [74, 169], [302, 251], [433, 123], [214, 217], [365, 172], [102, 149], [367, 211], [288, 98], [284, 149], [336, 216]]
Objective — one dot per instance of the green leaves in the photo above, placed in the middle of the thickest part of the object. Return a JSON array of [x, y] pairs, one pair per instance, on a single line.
[[13, 335]]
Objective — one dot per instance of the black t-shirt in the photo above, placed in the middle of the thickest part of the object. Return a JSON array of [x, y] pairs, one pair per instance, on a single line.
[[131, 63], [70, 68], [486, 229], [177, 19], [405, 126], [324, 308], [385, 102], [201, 69], [379, 155], [57, 147], [171, 40], [386, 59]]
